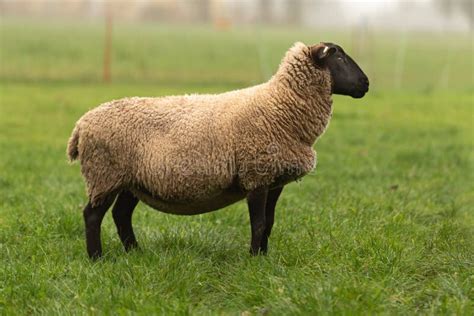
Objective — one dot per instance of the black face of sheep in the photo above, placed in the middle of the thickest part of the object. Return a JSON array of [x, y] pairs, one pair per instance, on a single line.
[[347, 77]]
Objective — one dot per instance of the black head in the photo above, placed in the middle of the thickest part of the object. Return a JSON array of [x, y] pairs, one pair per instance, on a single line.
[[347, 77]]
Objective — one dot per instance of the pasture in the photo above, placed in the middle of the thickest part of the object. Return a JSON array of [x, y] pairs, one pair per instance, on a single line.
[[384, 225]]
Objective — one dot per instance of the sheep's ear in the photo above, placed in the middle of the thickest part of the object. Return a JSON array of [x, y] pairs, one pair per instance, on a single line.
[[320, 52]]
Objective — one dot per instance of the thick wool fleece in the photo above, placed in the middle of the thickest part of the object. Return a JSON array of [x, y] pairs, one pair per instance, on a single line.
[[197, 153]]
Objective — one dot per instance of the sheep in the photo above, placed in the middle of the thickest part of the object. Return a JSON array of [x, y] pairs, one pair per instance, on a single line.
[[193, 154]]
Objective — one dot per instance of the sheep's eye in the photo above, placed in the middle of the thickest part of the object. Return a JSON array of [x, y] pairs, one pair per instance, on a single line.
[[340, 58]]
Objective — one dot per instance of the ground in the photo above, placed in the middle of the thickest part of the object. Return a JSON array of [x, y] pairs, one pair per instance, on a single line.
[[384, 225]]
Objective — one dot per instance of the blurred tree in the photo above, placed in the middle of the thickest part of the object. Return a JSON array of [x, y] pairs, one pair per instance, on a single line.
[[202, 10], [265, 11], [446, 6], [467, 8], [294, 11], [449, 6]]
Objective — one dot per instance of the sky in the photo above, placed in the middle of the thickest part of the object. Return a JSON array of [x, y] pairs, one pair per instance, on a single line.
[[367, 6], [370, 6], [389, 14]]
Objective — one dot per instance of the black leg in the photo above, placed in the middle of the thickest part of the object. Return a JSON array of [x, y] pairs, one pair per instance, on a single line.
[[256, 201], [122, 214], [272, 199], [93, 219]]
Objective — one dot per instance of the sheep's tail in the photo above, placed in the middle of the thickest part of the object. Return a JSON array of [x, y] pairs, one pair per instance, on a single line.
[[72, 150]]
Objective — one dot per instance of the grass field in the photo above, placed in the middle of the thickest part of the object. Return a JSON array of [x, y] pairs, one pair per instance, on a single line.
[[385, 224]]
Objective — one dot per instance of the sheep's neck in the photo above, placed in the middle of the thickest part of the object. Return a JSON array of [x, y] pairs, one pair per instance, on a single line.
[[303, 110]]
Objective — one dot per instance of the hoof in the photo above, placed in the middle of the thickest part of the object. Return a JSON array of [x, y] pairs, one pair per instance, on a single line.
[[132, 246], [257, 252], [95, 256]]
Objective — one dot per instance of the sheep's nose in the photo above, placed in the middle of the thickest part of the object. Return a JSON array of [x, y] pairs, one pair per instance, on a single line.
[[364, 83], [365, 80]]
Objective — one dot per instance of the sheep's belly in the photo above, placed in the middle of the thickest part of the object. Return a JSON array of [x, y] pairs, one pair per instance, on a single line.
[[190, 207]]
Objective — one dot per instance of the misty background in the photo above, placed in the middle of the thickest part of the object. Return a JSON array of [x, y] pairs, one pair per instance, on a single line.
[[422, 45], [420, 15]]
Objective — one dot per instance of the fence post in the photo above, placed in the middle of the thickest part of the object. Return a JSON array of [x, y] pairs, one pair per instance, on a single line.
[[107, 44]]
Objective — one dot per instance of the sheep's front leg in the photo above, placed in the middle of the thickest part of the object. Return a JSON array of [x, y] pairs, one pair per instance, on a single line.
[[272, 199], [93, 216], [256, 201], [122, 214]]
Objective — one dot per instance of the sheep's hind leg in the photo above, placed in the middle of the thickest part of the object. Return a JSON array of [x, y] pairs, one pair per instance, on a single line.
[[272, 199], [256, 201], [93, 216], [122, 214]]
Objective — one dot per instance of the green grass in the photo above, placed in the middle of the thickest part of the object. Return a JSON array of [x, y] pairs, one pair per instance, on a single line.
[[384, 225]]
